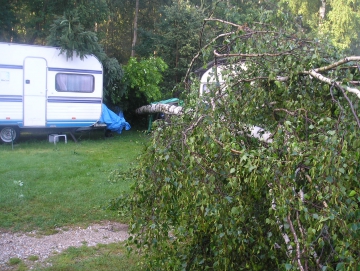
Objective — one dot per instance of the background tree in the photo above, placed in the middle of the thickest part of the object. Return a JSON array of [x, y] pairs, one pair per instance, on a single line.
[[142, 80], [70, 35], [338, 19], [135, 28], [175, 40], [34, 18], [7, 20], [118, 26]]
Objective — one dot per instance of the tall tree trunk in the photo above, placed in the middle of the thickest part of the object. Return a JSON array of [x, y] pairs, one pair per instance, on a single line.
[[322, 11], [135, 28]]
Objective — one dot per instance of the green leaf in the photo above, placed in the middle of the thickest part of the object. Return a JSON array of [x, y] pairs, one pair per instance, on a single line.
[[330, 179], [323, 219], [352, 193], [340, 266], [235, 210], [354, 226]]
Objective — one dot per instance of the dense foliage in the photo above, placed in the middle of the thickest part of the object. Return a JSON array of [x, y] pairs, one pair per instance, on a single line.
[[142, 79], [171, 29], [209, 196], [175, 40], [338, 19]]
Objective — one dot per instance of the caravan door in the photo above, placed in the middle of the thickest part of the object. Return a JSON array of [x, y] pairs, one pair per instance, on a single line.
[[34, 92]]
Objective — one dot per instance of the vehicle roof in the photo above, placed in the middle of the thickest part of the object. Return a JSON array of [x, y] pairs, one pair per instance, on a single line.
[[14, 54]]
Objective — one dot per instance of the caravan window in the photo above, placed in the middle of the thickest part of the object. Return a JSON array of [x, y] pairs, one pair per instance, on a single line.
[[211, 87], [69, 82]]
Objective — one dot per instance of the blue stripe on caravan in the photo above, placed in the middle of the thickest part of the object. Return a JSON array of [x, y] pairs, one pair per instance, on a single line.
[[74, 100], [67, 123], [11, 98], [75, 70], [5, 66], [11, 122]]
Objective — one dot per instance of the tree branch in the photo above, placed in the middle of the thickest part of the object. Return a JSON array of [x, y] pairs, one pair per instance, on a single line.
[[281, 226], [342, 88], [199, 52], [352, 90], [225, 22], [351, 105], [298, 252], [338, 63], [250, 55], [319, 76], [223, 145], [302, 236], [192, 126]]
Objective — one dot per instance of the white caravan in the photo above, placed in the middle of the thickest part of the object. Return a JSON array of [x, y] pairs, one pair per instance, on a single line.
[[42, 89], [214, 76]]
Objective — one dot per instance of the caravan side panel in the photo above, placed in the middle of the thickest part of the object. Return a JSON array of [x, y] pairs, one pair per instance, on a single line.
[[74, 106]]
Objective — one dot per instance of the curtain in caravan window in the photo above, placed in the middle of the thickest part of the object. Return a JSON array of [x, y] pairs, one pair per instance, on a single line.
[[68, 82], [61, 82]]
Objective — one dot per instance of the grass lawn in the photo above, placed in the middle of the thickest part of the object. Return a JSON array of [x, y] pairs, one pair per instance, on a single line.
[[100, 258], [112, 257], [44, 186]]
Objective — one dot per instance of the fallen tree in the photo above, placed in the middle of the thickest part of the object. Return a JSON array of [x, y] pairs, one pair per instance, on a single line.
[[209, 196], [158, 108]]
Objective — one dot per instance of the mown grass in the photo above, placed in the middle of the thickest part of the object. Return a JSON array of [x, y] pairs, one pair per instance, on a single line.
[[100, 258], [44, 186]]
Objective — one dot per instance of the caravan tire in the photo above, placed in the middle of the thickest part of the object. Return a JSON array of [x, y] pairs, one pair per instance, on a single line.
[[6, 132]]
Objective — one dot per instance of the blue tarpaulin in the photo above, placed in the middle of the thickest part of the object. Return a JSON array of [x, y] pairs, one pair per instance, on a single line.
[[115, 123]]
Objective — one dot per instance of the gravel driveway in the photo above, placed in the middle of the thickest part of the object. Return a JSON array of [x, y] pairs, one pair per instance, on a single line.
[[20, 245]]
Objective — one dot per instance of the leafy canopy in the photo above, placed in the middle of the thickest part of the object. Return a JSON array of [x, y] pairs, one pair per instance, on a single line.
[[175, 39], [68, 33], [144, 77], [341, 19]]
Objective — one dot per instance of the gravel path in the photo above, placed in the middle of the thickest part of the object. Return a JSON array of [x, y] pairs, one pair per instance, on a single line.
[[20, 245]]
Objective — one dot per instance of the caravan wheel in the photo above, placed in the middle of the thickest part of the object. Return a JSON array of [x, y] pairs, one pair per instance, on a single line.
[[6, 132]]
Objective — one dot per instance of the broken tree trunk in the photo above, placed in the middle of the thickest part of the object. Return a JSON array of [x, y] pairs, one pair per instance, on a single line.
[[156, 108]]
